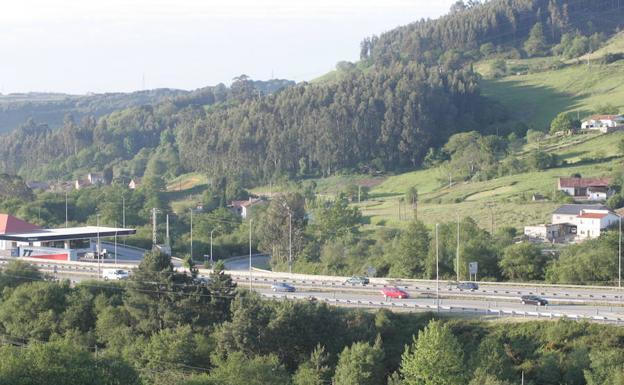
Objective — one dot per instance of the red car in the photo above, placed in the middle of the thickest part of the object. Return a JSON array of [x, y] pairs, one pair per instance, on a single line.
[[394, 292]]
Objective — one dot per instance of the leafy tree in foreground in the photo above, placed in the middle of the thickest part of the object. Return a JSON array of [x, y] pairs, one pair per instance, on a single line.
[[524, 262], [360, 364], [561, 123], [434, 358], [315, 371]]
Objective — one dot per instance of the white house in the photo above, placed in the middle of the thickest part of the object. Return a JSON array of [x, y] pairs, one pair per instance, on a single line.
[[584, 221], [603, 123], [243, 208], [590, 223]]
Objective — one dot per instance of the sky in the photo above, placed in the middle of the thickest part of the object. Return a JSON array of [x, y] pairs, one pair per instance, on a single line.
[[81, 46]]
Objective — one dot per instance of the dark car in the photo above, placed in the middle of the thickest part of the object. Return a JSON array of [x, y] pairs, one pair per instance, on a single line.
[[533, 300], [468, 286], [281, 286], [358, 281]]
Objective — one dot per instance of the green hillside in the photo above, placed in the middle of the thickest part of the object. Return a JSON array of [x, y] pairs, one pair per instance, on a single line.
[[536, 98], [507, 199]]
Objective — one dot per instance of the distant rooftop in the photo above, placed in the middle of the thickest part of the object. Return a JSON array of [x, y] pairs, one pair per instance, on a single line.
[[70, 233], [585, 182], [576, 209]]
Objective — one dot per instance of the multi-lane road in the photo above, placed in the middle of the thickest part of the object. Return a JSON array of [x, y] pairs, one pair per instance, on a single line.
[[491, 299]]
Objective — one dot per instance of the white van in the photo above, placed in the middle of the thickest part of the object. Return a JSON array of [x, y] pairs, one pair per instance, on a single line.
[[115, 274]]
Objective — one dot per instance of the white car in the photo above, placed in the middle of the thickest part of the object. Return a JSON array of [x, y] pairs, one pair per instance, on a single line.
[[115, 274]]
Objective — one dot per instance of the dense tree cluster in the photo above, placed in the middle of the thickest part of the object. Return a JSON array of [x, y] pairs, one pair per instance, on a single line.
[[481, 27], [382, 120], [164, 328]]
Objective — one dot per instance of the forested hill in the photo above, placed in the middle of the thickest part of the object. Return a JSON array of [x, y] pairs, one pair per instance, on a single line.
[[51, 109], [15, 109], [413, 90], [458, 37]]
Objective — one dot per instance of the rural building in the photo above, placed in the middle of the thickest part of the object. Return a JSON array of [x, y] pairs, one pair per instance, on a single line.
[[242, 208], [134, 183], [19, 238], [96, 178], [573, 223], [593, 189], [603, 123]]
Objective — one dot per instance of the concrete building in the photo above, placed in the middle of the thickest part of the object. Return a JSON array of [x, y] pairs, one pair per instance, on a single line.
[[19, 238], [243, 208]]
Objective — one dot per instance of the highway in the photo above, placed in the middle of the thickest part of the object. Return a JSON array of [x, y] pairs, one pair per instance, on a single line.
[[492, 300]]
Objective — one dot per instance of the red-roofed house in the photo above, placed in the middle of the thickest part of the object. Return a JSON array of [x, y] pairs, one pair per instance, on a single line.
[[593, 189], [591, 223], [242, 208], [603, 123]]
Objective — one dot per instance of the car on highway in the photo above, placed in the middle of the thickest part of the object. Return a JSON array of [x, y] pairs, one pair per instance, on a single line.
[[201, 280], [533, 300], [115, 274], [394, 292], [468, 286], [358, 281], [282, 286]]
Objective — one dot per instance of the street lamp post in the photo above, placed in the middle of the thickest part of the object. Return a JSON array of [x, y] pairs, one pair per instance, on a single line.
[[289, 242], [250, 284], [97, 246], [191, 233], [437, 267], [620, 257], [66, 209], [211, 231]]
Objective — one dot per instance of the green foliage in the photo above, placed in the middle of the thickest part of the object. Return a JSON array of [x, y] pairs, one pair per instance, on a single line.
[[561, 123], [61, 362], [590, 262], [34, 310], [334, 219], [422, 361], [536, 43], [523, 262], [360, 364], [283, 221], [238, 369], [607, 109], [408, 258], [16, 273], [315, 371]]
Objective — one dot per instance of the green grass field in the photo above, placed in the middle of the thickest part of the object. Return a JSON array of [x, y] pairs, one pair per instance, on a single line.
[[536, 98]]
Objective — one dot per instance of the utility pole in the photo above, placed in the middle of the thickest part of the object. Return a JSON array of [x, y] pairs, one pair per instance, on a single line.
[[97, 219], [457, 253], [620, 257], [359, 194], [437, 267], [191, 233], [167, 240], [123, 211], [250, 284], [289, 242], [154, 235], [66, 217], [211, 231]]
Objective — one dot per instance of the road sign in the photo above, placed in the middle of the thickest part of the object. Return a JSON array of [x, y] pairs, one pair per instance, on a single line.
[[473, 267]]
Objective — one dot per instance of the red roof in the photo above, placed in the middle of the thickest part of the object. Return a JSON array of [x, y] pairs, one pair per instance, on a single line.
[[584, 182], [593, 215], [605, 117], [10, 224]]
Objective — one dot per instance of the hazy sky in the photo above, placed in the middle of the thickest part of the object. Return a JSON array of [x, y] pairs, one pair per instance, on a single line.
[[80, 46]]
